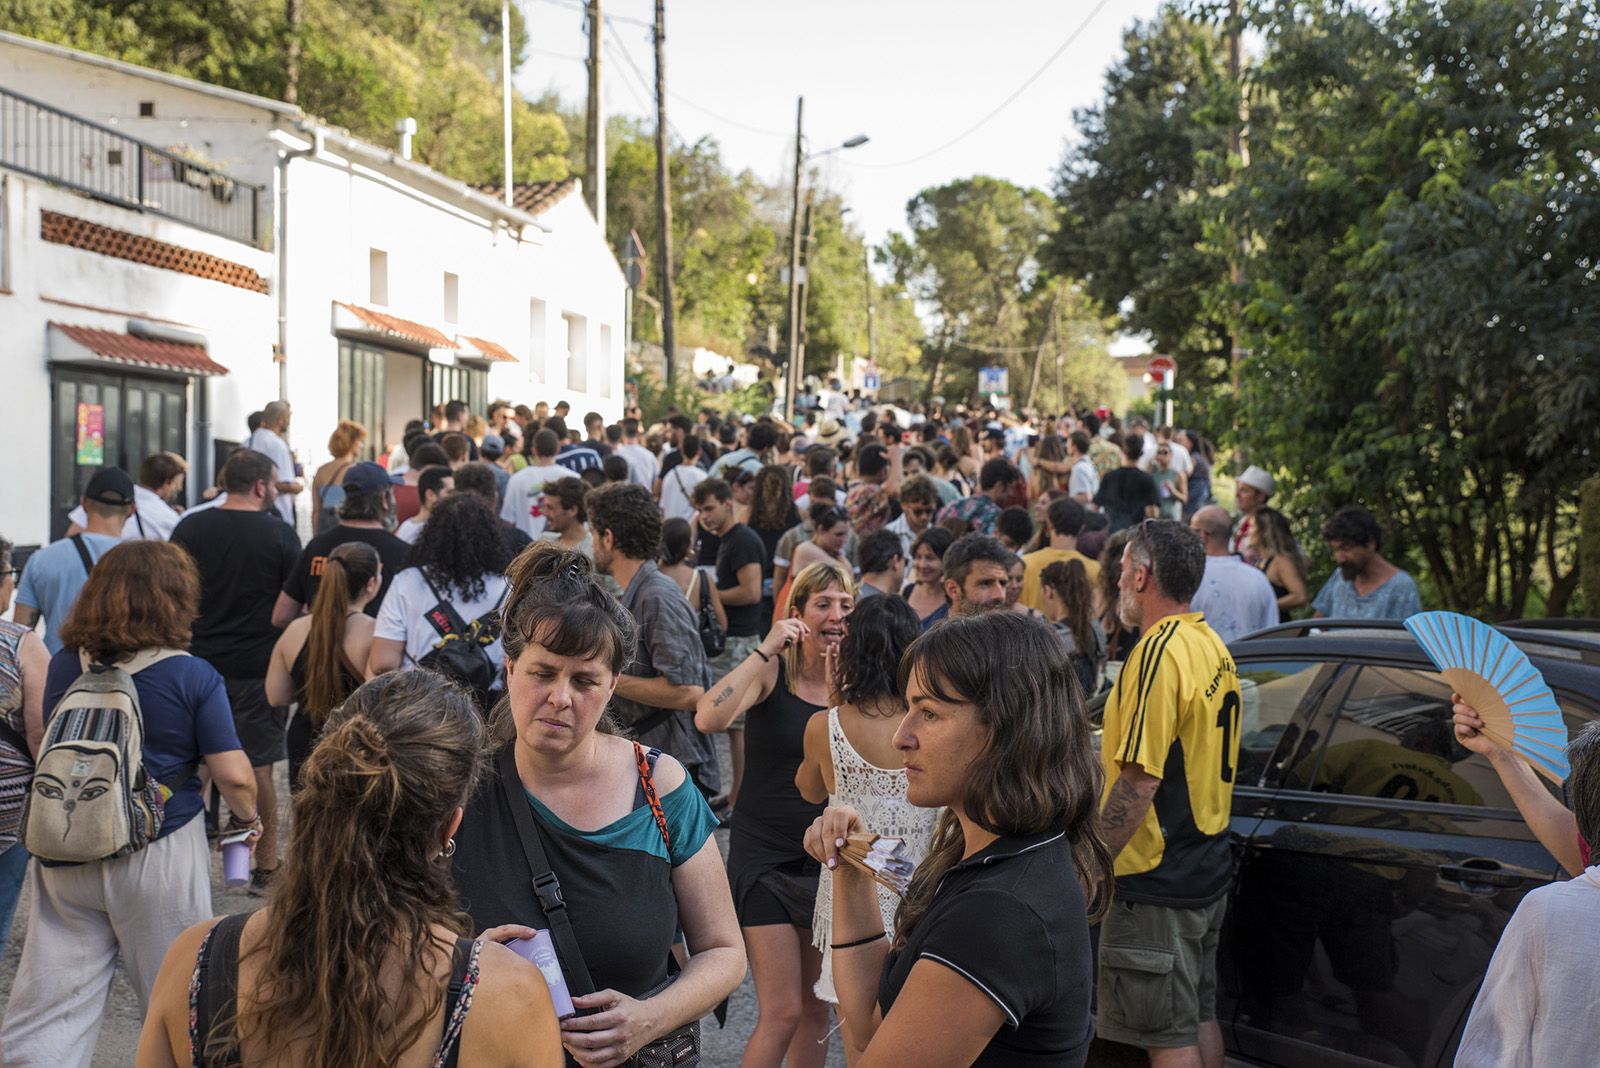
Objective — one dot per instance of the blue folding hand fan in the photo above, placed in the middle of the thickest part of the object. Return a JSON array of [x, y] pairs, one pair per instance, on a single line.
[[1494, 677]]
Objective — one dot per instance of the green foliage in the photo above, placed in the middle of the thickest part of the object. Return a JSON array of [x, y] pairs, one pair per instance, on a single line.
[[1589, 544]]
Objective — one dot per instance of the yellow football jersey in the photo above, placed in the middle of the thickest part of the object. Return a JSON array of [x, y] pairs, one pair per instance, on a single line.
[[1175, 713]]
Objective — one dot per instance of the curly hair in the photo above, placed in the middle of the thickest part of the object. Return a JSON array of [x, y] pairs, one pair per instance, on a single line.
[[461, 545], [629, 513], [879, 632], [772, 499]]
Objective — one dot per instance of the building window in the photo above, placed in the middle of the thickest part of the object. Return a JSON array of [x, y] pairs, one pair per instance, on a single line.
[[378, 277], [147, 109], [577, 353], [5, 235], [452, 297], [538, 341]]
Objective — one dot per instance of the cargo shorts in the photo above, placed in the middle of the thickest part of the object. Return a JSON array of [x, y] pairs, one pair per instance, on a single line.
[[1158, 973]]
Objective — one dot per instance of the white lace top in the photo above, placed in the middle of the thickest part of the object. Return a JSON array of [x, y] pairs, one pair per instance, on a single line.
[[879, 795]]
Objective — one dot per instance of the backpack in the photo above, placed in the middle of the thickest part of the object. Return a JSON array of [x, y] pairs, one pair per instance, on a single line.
[[91, 798], [462, 652]]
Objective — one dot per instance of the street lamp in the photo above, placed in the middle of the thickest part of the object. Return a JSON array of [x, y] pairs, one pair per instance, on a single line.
[[793, 371]]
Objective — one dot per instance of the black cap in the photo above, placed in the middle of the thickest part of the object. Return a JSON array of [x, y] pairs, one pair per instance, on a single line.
[[109, 485]]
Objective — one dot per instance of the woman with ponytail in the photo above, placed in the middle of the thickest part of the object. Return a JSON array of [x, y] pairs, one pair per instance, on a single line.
[[320, 658], [623, 837], [359, 959], [990, 962]]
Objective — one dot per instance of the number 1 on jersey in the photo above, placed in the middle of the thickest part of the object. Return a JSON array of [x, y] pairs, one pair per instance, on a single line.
[[1228, 720]]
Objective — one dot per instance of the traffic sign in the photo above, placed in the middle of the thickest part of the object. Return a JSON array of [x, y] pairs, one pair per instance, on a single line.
[[1161, 365], [634, 261], [869, 380], [994, 380]]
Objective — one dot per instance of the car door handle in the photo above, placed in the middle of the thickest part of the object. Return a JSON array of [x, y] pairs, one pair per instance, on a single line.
[[1480, 873]]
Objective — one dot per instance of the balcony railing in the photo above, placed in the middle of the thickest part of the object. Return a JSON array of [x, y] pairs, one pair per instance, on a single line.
[[108, 165]]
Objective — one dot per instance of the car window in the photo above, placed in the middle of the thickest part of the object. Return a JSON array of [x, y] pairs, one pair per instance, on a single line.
[[1272, 693]]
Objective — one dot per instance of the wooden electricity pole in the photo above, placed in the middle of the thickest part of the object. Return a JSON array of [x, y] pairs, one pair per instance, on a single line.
[[291, 58], [595, 127], [663, 191]]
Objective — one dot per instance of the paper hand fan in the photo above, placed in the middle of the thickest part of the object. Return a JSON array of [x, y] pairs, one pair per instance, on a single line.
[[1494, 677], [881, 857]]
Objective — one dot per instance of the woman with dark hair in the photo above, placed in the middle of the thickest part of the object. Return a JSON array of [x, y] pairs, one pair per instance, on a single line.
[[851, 758], [925, 593], [1282, 561], [1069, 606], [457, 562], [360, 960], [137, 610], [829, 526], [321, 658], [1120, 638], [677, 550], [617, 837], [990, 962], [772, 512]]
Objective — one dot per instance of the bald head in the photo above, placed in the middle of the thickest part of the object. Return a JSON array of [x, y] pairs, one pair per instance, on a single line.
[[1214, 525]]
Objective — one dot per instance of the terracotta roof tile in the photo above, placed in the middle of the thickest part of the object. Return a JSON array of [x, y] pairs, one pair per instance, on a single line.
[[143, 351], [533, 197], [492, 352], [92, 237], [394, 326]]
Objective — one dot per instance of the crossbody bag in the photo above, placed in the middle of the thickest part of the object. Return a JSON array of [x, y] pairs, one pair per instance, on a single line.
[[680, 1048]]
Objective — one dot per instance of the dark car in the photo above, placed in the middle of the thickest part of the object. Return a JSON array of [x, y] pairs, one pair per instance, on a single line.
[[1377, 860]]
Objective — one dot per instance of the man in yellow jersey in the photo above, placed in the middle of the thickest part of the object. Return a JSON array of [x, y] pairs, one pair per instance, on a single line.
[[1170, 746]]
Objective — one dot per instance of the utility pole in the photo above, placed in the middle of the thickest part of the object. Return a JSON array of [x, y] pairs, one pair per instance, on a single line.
[[595, 133], [792, 371], [505, 90], [1038, 356], [291, 57], [872, 325], [1236, 159], [663, 189], [805, 291]]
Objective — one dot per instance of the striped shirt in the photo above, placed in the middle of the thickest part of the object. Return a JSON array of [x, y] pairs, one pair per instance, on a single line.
[[16, 768]]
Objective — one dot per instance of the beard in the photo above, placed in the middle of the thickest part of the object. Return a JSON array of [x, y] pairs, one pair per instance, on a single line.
[[1349, 571], [1129, 612]]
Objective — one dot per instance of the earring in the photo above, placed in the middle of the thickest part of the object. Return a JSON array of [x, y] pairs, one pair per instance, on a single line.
[[449, 849]]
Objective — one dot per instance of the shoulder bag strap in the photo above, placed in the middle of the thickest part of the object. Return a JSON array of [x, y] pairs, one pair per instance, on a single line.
[[83, 553], [646, 761], [546, 887], [453, 623], [218, 996], [460, 962]]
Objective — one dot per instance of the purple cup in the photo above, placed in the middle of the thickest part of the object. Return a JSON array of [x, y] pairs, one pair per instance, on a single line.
[[540, 951], [235, 864]]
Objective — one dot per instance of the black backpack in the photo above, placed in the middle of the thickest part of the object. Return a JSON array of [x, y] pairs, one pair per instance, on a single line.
[[462, 652]]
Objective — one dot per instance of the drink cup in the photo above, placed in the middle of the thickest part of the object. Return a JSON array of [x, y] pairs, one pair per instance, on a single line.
[[540, 950], [235, 864]]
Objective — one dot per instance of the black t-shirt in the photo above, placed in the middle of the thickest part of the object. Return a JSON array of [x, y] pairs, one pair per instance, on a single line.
[[472, 446], [770, 538], [601, 447], [307, 576], [672, 459], [1011, 920], [244, 560], [740, 546], [1124, 495]]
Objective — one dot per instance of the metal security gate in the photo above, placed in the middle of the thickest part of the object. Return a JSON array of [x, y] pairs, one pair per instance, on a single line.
[[467, 384], [362, 383], [124, 419]]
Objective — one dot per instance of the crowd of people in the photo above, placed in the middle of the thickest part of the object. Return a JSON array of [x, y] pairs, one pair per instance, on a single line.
[[500, 667]]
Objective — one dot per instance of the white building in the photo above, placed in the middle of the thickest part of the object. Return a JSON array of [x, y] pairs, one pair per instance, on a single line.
[[296, 262]]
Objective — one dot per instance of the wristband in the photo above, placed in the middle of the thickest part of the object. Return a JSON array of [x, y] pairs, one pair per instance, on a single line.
[[237, 823], [858, 942], [764, 657]]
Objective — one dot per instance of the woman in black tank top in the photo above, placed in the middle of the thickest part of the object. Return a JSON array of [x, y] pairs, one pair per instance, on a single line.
[[363, 897], [781, 685]]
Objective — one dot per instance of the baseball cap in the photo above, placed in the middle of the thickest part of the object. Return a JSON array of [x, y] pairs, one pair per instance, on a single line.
[[366, 477], [1256, 478], [799, 444], [492, 443], [109, 485]]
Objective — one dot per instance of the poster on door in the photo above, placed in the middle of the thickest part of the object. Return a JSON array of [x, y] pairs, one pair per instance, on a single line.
[[91, 435]]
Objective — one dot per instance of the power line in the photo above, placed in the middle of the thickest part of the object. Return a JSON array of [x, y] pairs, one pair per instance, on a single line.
[[627, 58], [975, 127], [735, 123]]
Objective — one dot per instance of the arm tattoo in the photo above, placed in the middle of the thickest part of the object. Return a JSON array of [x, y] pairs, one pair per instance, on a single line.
[[727, 692], [1125, 810]]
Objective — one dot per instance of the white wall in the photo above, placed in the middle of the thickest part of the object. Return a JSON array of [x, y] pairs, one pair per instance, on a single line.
[[52, 282]]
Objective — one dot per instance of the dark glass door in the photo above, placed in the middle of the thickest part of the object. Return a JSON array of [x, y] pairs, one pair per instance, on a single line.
[[136, 416], [362, 386]]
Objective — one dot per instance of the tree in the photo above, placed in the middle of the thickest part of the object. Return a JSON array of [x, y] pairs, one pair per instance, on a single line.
[[1135, 200]]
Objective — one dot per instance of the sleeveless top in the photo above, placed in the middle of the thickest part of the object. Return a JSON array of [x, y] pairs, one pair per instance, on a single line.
[[16, 766], [348, 680], [1277, 590], [771, 818], [214, 993], [879, 794]]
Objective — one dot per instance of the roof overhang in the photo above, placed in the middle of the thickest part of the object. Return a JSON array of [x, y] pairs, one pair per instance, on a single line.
[[90, 345]]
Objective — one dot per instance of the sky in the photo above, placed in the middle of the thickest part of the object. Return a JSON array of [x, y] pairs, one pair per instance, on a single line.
[[910, 74]]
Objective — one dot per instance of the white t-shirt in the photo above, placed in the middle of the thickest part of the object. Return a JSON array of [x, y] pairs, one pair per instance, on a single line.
[[642, 464], [269, 444], [524, 503], [1235, 597], [1181, 460], [154, 518], [403, 616], [1083, 478], [677, 490], [410, 530]]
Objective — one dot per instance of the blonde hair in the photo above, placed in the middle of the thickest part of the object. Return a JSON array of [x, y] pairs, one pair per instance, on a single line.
[[812, 580], [345, 438]]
